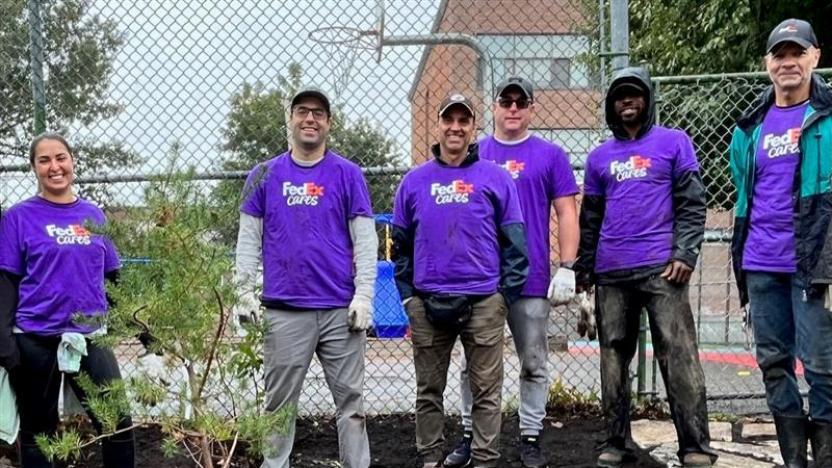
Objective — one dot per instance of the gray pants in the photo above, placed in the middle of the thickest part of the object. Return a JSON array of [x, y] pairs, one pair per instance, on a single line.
[[292, 338], [527, 319]]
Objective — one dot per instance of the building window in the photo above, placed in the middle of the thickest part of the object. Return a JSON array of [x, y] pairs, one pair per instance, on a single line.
[[548, 73]]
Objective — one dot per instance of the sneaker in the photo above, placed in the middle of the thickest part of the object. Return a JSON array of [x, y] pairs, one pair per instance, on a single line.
[[460, 457], [696, 460], [610, 459], [530, 454]]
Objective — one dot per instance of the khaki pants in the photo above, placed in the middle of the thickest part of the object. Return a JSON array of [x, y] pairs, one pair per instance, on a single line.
[[482, 339]]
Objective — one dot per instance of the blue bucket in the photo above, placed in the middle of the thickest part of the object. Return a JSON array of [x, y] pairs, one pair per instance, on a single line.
[[389, 318]]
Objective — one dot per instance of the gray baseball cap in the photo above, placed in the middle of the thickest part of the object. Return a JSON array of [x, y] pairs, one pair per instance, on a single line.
[[313, 92], [522, 84], [792, 30]]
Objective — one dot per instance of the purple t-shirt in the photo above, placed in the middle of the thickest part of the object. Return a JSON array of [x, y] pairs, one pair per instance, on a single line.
[[770, 245], [636, 180], [542, 173], [61, 264], [307, 249], [455, 213]]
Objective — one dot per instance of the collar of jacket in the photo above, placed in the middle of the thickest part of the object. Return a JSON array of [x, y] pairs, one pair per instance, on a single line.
[[470, 158], [820, 98]]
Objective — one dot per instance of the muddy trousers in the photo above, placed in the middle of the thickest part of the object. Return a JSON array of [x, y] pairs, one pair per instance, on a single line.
[[293, 337], [36, 383], [618, 307], [482, 339], [528, 319]]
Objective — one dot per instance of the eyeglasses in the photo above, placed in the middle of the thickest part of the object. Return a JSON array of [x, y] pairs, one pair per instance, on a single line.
[[302, 111], [522, 103]]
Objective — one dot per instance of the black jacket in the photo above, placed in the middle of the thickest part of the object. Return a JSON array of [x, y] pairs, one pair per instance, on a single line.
[[514, 262], [688, 199]]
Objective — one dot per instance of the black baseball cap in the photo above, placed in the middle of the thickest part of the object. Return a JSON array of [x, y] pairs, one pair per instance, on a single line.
[[792, 30], [456, 99], [628, 86], [312, 92], [523, 85]]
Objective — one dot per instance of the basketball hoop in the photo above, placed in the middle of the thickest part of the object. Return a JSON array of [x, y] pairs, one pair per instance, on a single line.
[[342, 44]]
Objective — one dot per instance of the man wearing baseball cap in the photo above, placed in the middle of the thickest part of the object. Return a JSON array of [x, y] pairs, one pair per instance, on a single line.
[[460, 254], [642, 224], [543, 177], [781, 162], [306, 216]]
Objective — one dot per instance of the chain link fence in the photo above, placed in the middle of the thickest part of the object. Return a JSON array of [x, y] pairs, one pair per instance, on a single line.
[[175, 85]]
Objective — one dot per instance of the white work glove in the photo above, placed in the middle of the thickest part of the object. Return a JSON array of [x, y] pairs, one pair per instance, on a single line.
[[247, 308], [586, 324], [360, 314], [562, 287]]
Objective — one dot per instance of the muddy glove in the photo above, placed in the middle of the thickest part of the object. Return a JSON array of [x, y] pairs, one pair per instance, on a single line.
[[247, 309], [360, 314], [827, 297], [586, 324], [562, 287]]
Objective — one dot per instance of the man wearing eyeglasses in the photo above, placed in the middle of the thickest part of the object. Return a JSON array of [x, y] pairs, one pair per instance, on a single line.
[[306, 214], [543, 177]]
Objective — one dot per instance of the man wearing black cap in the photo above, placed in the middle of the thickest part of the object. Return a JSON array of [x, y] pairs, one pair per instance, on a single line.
[[460, 254], [642, 224], [543, 176], [306, 215], [781, 161]]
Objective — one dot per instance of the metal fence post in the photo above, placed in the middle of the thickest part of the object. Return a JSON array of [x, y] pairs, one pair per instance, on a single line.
[[619, 34], [36, 51]]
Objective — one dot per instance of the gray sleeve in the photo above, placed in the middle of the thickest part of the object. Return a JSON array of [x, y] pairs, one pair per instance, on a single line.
[[365, 253], [249, 251]]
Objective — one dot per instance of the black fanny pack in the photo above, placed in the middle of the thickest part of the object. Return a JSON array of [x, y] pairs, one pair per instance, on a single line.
[[448, 311]]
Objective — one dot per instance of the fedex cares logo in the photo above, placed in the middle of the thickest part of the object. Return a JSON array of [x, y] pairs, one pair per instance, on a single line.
[[455, 192], [70, 235], [633, 168], [304, 194], [514, 167], [782, 145]]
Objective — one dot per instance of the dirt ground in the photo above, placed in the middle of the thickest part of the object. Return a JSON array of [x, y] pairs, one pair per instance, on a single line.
[[391, 444]]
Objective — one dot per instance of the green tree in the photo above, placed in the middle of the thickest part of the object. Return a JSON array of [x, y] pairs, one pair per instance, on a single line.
[[256, 130], [79, 49]]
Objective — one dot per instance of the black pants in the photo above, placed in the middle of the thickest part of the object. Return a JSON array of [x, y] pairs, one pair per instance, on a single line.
[[618, 307], [36, 383]]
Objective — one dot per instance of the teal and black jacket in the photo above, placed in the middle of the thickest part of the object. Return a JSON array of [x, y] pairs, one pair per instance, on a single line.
[[812, 193]]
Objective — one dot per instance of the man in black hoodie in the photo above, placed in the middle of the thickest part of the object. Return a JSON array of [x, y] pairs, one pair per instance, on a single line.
[[642, 224]]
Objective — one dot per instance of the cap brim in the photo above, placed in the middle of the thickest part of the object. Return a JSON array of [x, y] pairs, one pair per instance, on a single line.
[[452, 104], [513, 85], [796, 40], [619, 88]]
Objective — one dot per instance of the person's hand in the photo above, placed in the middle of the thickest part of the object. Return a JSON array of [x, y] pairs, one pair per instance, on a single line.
[[562, 287], [247, 308], [677, 272], [586, 322], [360, 314]]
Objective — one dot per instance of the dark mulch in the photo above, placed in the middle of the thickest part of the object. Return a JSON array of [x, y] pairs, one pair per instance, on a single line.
[[391, 444]]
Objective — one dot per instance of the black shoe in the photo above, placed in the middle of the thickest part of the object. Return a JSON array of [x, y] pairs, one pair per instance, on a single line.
[[821, 434], [32, 457], [530, 454], [791, 435], [460, 457]]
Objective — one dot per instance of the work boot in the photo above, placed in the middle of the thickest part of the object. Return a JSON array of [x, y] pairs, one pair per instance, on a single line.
[[530, 453], [32, 457], [821, 434], [791, 435], [610, 458], [696, 460], [461, 455]]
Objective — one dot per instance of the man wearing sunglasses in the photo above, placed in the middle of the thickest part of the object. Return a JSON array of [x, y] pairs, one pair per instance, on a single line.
[[306, 215], [642, 225], [543, 177]]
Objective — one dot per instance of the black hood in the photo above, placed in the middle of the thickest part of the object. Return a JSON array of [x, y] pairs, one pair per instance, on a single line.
[[820, 98], [470, 158], [641, 78]]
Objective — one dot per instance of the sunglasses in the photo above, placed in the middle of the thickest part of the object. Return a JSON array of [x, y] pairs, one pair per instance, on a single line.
[[522, 103]]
